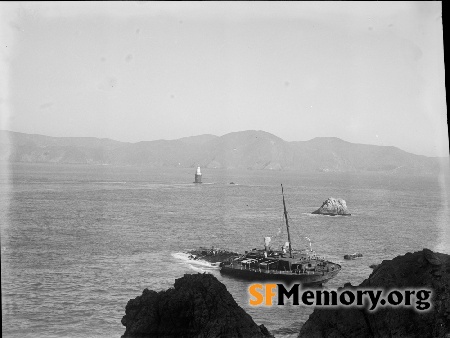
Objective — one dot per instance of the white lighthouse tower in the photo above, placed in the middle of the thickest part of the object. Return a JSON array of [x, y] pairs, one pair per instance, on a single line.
[[198, 176]]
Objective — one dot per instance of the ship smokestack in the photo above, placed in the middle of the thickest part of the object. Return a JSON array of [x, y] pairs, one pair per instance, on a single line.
[[198, 176], [266, 243]]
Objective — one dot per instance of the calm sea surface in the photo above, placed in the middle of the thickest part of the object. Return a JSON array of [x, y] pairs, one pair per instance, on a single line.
[[77, 242]]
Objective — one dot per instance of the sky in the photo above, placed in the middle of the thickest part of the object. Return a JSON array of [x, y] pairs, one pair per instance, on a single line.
[[369, 73]]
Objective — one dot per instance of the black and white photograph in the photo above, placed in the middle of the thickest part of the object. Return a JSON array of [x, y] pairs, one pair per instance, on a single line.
[[224, 169]]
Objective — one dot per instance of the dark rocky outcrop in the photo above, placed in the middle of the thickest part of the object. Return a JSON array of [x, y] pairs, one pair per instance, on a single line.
[[198, 306], [333, 207], [423, 269]]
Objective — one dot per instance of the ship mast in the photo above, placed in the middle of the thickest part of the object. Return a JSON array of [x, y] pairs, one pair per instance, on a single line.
[[287, 223]]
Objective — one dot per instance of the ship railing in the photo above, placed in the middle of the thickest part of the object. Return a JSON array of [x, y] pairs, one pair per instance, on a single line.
[[279, 272], [270, 271]]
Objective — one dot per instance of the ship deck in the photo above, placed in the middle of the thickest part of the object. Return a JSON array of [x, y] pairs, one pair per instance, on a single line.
[[301, 267]]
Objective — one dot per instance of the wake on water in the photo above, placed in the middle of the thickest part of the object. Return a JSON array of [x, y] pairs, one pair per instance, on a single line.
[[196, 269], [196, 265]]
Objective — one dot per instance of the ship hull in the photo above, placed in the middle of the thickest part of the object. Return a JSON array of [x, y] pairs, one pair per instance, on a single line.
[[313, 279]]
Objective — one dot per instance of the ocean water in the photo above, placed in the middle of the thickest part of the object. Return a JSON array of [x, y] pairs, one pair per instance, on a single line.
[[77, 242]]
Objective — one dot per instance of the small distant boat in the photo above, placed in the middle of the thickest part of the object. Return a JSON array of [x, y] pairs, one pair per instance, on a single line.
[[287, 264], [353, 256]]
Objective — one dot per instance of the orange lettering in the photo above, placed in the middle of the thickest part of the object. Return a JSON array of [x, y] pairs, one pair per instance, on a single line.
[[270, 293], [258, 296]]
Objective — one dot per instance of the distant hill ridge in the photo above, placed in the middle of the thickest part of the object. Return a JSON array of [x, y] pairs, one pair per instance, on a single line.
[[250, 149]]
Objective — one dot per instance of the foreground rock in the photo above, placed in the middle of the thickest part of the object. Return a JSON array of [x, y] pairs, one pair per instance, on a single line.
[[333, 207], [198, 306], [423, 269]]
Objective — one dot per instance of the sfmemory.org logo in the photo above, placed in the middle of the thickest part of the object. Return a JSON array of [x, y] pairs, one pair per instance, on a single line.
[[372, 299]]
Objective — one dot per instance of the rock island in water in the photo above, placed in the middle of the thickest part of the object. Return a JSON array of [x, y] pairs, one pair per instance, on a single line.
[[333, 207]]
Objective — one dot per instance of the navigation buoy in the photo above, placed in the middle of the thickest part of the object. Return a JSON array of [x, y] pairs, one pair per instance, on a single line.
[[198, 176]]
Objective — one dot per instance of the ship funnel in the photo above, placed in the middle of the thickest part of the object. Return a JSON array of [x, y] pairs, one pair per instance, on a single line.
[[266, 243], [286, 245], [198, 171]]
